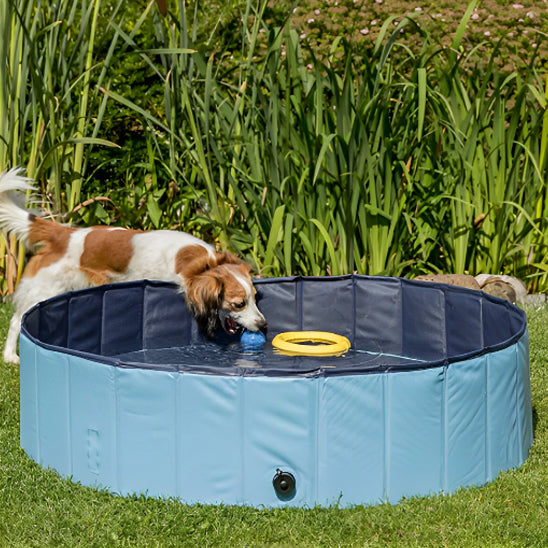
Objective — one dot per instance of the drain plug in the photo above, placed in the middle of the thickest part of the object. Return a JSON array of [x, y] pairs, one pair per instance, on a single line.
[[284, 484]]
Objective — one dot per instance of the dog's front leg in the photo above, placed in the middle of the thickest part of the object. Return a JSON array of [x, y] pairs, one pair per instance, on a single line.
[[10, 350]]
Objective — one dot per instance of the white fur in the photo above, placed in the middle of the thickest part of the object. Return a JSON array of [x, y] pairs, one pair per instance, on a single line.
[[154, 256], [13, 218]]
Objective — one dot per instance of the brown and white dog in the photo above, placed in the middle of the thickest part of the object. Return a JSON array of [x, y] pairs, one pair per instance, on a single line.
[[217, 286]]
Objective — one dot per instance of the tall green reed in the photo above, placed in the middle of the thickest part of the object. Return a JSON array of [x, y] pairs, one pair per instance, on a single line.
[[282, 149], [15, 115], [51, 91], [50, 104], [487, 125], [394, 160], [397, 159]]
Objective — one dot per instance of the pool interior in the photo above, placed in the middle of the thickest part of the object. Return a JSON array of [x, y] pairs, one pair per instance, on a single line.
[[392, 324]]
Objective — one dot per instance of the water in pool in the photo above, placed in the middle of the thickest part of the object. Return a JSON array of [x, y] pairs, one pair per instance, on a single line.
[[233, 358]]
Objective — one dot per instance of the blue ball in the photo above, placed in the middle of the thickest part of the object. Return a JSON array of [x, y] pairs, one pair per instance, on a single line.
[[252, 340]]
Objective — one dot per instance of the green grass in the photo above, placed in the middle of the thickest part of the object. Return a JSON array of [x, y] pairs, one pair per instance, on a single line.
[[38, 508]]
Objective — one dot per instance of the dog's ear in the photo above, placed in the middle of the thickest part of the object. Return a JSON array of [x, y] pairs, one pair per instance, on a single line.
[[204, 294], [227, 258], [231, 259], [193, 260]]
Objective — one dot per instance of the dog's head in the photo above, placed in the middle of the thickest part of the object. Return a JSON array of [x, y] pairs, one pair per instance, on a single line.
[[219, 291]]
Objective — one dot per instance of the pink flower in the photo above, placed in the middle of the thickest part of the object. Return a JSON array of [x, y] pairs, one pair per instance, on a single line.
[[518, 6], [364, 31]]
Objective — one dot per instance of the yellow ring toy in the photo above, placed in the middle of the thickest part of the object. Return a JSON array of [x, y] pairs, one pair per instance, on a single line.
[[329, 344]]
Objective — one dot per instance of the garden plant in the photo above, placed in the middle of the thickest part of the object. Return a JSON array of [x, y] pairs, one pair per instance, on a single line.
[[396, 157]]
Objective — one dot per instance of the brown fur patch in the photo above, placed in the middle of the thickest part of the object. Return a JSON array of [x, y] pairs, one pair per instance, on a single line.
[[192, 260], [53, 239], [195, 259], [234, 293], [204, 292], [106, 251], [219, 281]]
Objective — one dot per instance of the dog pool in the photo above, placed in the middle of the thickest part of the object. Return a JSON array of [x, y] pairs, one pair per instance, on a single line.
[[120, 391]]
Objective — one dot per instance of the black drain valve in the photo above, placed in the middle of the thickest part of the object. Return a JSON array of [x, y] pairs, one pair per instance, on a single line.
[[284, 484]]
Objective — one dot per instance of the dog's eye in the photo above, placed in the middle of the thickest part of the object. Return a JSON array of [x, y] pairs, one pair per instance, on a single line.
[[239, 305]]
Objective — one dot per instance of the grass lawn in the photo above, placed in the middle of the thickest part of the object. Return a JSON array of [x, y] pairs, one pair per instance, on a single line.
[[38, 508]]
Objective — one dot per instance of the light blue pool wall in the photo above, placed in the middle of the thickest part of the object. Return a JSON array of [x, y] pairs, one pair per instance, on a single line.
[[349, 439]]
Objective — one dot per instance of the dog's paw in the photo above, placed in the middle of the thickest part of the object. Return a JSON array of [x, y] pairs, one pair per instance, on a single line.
[[10, 356]]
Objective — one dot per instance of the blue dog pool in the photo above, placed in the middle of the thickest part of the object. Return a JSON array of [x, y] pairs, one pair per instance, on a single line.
[[120, 391]]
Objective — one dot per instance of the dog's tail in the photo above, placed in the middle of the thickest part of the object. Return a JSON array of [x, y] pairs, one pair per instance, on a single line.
[[14, 217]]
